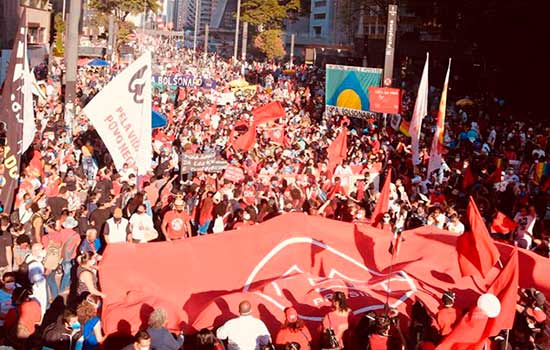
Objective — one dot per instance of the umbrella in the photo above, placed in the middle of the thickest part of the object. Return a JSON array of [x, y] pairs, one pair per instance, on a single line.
[[158, 120], [464, 102], [98, 63]]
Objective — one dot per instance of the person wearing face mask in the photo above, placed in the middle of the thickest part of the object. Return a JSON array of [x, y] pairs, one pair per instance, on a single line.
[[8, 285], [176, 223], [88, 317], [37, 275], [6, 242], [385, 224], [87, 276], [64, 333]]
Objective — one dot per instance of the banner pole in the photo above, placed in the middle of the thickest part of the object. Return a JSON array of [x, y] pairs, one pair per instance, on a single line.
[[388, 290]]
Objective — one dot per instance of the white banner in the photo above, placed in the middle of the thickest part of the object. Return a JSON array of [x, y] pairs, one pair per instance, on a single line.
[[121, 114]]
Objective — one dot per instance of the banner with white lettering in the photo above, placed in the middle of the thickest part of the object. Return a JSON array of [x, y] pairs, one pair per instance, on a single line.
[[201, 162], [121, 114]]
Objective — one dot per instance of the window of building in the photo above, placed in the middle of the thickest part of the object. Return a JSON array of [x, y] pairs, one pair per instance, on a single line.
[[322, 3], [382, 29], [319, 16], [317, 30]]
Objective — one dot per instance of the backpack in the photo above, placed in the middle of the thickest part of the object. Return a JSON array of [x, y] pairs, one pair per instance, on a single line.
[[328, 338], [53, 256], [22, 273]]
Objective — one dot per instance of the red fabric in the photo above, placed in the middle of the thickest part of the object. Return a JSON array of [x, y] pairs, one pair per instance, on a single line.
[[293, 250], [338, 150], [287, 335], [505, 287], [467, 333], [378, 342], [35, 165], [268, 112], [495, 177], [503, 224], [446, 319], [383, 202], [468, 179], [30, 315], [277, 135], [339, 324], [385, 100], [477, 252], [247, 140]]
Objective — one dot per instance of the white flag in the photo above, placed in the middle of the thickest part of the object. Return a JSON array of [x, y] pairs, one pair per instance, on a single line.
[[29, 124], [436, 153], [420, 111], [121, 114]]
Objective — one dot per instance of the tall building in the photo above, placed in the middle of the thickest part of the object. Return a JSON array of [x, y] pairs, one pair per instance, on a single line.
[[38, 20], [184, 13]]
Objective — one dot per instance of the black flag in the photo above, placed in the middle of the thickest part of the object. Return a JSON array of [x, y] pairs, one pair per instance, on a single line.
[[11, 115]]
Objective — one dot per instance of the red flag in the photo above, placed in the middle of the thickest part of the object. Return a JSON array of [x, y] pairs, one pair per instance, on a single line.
[[468, 179], [495, 177], [385, 100], [503, 224], [505, 288], [268, 112], [383, 202], [467, 333], [245, 141], [477, 252], [338, 150]]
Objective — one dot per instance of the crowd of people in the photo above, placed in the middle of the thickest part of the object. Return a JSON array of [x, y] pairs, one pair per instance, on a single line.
[[72, 202]]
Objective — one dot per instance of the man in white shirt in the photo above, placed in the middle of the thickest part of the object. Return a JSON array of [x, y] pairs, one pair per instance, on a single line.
[[454, 225], [244, 332], [116, 228], [141, 226]]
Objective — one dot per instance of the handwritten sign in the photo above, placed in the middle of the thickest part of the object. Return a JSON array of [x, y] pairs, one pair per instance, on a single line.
[[191, 162]]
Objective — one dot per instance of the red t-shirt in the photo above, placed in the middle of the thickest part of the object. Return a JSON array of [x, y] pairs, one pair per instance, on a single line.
[[30, 315], [446, 319], [177, 224], [287, 335], [378, 342], [338, 323]]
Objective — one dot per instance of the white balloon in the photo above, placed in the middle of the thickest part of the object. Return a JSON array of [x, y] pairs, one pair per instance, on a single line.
[[490, 304]]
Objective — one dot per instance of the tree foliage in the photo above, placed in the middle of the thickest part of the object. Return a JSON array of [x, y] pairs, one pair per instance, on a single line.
[[269, 13], [270, 42], [59, 25], [122, 8]]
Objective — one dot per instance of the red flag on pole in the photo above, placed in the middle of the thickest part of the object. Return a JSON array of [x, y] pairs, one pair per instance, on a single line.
[[503, 224], [247, 140], [383, 202], [495, 177], [477, 252], [338, 149], [468, 179], [505, 288], [467, 333], [268, 112]]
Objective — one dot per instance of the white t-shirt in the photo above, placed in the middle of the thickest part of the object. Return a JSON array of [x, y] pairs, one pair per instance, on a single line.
[[455, 228], [140, 223], [244, 333]]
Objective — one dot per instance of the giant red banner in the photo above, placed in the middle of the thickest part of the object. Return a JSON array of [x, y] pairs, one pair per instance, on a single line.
[[293, 259], [385, 100]]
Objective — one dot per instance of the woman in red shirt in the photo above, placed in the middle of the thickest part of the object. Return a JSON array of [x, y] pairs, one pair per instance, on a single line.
[[338, 320], [293, 331]]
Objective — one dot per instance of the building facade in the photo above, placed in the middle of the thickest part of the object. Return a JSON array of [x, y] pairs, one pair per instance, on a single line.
[[38, 21]]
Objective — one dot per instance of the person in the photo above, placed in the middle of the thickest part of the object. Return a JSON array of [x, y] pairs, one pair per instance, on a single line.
[[64, 333], [8, 285], [454, 225], [23, 319], [161, 338], [91, 243], [244, 332], [447, 316], [338, 319], [141, 226], [382, 340], [142, 341], [37, 275], [87, 276], [6, 241], [88, 316], [206, 340], [116, 229], [293, 331], [176, 223]]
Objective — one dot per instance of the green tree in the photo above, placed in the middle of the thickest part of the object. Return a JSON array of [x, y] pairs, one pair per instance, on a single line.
[[122, 8], [268, 13], [59, 25], [270, 42]]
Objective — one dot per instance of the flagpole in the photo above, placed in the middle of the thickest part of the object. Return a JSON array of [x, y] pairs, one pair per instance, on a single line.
[[396, 234]]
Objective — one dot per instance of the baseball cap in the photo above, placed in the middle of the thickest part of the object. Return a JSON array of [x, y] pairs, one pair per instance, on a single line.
[[179, 202], [291, 315]]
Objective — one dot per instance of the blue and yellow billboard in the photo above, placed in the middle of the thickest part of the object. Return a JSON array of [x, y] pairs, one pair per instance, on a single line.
[[347, 88]]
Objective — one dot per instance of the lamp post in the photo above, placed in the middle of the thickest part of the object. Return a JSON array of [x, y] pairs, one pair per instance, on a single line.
[[236, 48]]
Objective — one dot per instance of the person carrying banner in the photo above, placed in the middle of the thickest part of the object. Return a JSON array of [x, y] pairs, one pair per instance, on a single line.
[[244, 332], [176, 223]]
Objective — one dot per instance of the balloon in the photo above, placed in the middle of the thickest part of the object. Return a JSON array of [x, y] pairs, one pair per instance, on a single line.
[[490, 304]]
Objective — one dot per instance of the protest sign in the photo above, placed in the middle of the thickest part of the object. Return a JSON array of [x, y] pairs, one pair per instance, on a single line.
[[191, 162], [233, 174]]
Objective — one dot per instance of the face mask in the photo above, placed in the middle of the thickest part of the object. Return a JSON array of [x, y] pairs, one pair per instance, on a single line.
[[75, 326], [386, 219], [359, 216], [143, 348], [9, 285]]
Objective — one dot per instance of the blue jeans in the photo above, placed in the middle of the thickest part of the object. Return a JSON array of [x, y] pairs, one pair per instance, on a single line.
[[52, 285], [66, 279], [203, 229]]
